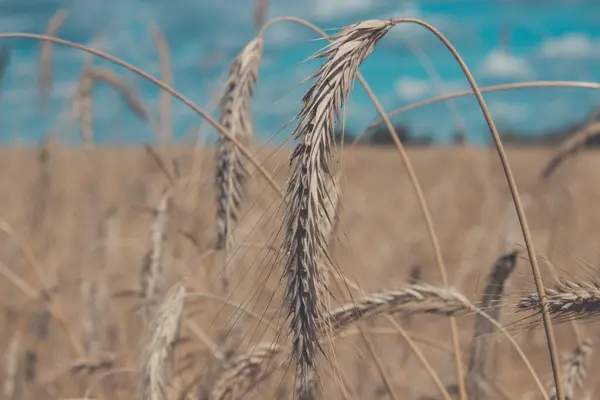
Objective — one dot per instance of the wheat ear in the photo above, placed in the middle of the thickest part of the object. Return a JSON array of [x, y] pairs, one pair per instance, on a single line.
[[571, 146], [158, 354], [151, 273], [574, 369], [413, 299], [231, 173], [307, 186], [244, 372], [567, 300]]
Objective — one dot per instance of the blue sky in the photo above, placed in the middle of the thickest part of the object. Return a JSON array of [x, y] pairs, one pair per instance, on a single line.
[[502, 41]]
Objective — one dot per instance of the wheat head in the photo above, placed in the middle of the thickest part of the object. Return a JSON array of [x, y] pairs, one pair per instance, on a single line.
[[244, 372], [574, 369], [412, 299], [306, 195], [231, 173], [568, 300], [151, 272], [158, 353]]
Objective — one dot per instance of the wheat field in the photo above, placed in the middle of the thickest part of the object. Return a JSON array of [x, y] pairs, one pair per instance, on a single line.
[[318, 272], [82, 225]]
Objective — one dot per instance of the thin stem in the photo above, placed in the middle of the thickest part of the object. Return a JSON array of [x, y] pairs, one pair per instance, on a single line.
[[162, 47], [485, 89], [163, 86], [517, 201]]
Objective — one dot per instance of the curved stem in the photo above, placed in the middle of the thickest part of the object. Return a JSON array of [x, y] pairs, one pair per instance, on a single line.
[[516, 199], [416, 186], [485, 89], [163, 86]]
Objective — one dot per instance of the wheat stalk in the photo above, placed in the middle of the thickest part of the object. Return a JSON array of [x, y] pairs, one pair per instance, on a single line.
[[162, 47], [231, 173], [574, 369], [244, 372], [151, 273], [307, 186], [260, 12], [93, 294], [567, 300], [158, 354], [4, 58], [82, 103], [45, 74], [412, 299], [11, 366], [133, 100]]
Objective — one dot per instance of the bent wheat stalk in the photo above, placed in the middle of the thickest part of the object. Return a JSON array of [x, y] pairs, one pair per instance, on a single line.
[[485, 89], [535, 269], [306, 189], [231, 173]]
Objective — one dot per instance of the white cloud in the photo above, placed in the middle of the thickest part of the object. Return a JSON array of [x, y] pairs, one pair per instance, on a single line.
[[506, 111], [572, 45], [287, 35], [410, 89], [325, 9], [501, 64]]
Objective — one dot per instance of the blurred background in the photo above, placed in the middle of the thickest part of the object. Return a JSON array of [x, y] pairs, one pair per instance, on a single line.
[[83, 231], [501, 41]]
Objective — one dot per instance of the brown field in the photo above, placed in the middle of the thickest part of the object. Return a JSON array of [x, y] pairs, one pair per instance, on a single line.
[[74, 216]]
